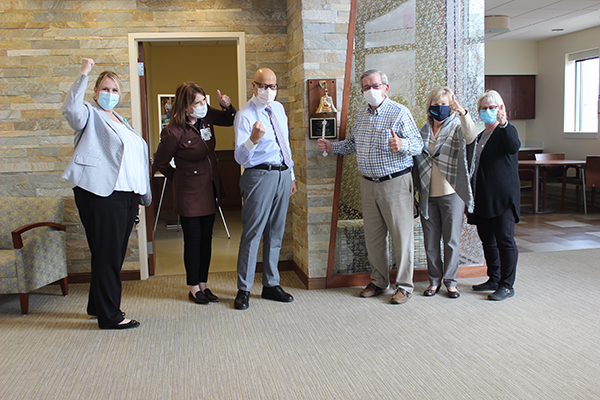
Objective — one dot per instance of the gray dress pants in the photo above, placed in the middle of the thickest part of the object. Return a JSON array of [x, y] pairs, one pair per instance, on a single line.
[[446, 214], [266, 196]]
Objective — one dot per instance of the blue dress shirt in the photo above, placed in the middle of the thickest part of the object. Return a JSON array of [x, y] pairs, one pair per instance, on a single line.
[[267, 150]]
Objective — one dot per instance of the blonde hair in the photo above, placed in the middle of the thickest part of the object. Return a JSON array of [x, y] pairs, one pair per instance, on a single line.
[[489, 96], [111, 75], [436, 94]]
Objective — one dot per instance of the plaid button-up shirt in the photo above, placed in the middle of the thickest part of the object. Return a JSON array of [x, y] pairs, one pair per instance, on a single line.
[[369, 139]]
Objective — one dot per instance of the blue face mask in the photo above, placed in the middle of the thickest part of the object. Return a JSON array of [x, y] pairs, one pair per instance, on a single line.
[[489, 116], [108, 101], [440, 113]]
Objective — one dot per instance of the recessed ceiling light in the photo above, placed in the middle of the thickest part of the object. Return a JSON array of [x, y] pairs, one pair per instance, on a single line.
[[557, 30]]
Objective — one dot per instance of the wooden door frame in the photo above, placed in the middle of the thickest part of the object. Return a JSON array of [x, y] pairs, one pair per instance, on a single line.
[[136, 101]]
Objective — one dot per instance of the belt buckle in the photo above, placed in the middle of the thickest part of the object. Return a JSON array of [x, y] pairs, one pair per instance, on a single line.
[[376, 180]]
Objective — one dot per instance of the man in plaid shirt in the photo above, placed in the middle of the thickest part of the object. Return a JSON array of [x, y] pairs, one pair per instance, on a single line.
[[385, 139]]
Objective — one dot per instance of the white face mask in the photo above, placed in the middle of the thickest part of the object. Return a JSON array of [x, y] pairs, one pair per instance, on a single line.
[[199, 112], [374, 97], [266, 96]]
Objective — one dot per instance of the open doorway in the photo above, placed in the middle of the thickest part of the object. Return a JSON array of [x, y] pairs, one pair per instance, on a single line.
[[214, 61]]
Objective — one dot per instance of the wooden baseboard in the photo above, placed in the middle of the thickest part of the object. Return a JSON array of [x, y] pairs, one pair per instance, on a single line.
[[420, 275], [311, 283], [85, 277]]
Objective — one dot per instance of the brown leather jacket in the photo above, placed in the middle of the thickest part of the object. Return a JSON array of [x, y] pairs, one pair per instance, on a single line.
[[196, 163]]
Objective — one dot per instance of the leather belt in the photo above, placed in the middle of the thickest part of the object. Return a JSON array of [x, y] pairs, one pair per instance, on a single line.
[[270, 167], [390, 176]]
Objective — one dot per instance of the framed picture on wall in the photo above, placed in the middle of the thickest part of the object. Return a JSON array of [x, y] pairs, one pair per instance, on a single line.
[[165, 103]]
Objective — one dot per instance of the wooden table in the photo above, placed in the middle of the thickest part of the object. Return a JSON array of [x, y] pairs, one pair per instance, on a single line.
[[536, 164]]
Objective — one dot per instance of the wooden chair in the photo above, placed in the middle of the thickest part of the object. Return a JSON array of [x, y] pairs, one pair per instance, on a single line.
[[550, 173], [592, 174], [592, 179], [527, 177]]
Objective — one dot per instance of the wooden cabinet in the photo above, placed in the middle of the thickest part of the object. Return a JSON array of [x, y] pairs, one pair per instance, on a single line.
[[518, 93]]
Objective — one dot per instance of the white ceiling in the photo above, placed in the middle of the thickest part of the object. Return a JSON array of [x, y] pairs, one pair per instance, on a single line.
[[535, 19]]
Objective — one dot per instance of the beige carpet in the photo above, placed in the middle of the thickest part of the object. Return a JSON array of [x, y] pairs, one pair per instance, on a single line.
[[328, 344]]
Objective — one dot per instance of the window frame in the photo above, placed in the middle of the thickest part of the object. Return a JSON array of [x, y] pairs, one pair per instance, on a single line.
[[572, 114]]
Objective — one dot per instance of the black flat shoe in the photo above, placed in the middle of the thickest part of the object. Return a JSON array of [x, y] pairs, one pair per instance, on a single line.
[[454, 295], [210, 296], [431, 292], [130, 325], [502, 294], [200, 298], [242, 300], [276, 293]]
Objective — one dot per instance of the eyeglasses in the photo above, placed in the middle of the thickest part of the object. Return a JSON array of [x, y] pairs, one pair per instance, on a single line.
[[375, 86], [489, 108], [265, 86]]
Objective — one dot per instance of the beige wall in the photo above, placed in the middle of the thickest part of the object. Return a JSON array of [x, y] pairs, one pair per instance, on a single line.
[[512, 58], [549, 122], [212, 66]]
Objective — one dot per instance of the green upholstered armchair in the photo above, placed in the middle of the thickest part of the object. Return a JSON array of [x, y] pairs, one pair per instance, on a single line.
[[32, 245]]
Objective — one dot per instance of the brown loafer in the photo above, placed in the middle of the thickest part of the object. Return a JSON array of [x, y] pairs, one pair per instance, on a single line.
[[401, 296], [454, 294], [371, 290]]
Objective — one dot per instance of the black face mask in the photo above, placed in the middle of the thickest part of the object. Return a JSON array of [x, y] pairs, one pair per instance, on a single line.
[[440, 113]]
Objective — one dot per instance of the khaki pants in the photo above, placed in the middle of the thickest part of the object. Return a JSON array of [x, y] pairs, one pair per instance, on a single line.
[[388, 207]]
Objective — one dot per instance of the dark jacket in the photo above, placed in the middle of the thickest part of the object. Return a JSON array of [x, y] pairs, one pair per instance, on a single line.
[[196, 163], [498, 186]]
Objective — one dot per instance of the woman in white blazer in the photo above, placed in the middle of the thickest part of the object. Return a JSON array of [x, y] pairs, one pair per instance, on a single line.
[[110, 176]]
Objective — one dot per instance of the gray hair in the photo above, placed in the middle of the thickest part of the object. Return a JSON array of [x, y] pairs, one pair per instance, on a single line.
[[489, 95], [370, 72]]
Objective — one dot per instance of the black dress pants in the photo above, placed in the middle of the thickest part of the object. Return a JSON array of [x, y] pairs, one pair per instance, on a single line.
[[108, 222], [499, 248], [197, 248]]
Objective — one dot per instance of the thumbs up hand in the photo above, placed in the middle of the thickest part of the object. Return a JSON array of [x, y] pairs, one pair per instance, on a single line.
[[394, 142], [224, 100]]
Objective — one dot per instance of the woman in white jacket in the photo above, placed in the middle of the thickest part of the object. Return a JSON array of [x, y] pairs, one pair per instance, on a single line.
[[441, 178], [110, 176]]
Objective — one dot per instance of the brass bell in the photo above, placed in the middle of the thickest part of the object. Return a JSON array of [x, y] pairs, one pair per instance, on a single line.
[[326, 103]]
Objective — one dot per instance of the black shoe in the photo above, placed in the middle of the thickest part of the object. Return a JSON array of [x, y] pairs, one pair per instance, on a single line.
[[454, 295], [210, 296], [130, 325], [200, 298], [502, 294], [431, 292], [276, 293], [484, 287], [242, 300]]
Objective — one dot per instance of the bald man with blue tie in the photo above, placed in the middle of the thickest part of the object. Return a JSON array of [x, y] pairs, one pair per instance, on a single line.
[[262, 147]]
